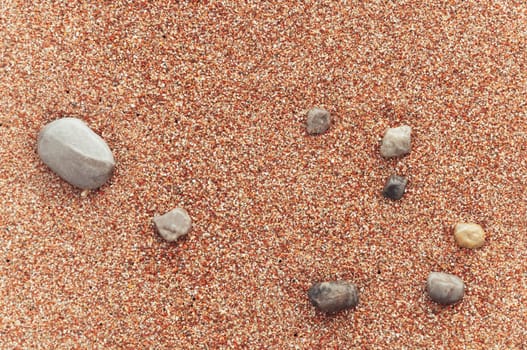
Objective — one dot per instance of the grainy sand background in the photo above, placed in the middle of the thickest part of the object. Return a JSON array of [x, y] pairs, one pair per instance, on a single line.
[[203, 105]]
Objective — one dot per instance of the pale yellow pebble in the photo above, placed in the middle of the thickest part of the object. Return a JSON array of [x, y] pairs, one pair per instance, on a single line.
[[469, 235]]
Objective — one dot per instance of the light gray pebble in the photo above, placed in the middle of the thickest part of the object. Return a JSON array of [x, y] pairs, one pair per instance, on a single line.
[[396, 141], [445, 288], [318, 121], [332, 297], [174, 224], [76, 153], [394, 187]]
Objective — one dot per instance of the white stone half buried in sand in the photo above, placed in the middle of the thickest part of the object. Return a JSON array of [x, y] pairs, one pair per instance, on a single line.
[[76, 153], [174, 224], [396, 141]]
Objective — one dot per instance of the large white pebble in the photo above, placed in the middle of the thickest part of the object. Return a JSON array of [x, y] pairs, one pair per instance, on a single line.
[[396, 141], [75, 153], [174, 224]]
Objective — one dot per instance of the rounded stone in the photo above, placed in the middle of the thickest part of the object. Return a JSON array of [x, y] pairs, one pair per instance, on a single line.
[[332, 297], [394, 187], [76, 153], [396, 141], [469, 235], [174, 224], [445, 288], [318, 121]]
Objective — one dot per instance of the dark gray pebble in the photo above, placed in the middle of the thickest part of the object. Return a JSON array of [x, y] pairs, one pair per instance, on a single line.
[[394, 187], [332, 297]]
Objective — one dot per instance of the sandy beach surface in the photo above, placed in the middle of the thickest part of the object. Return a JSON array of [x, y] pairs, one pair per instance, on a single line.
[[203, 105]]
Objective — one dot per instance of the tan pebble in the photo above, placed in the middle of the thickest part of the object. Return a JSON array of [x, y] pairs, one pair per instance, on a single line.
[[469, 235]]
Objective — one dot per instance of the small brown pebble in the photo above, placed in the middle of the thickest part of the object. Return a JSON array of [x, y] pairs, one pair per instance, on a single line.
[[394, 187], [318, 121], [469, 235], [332, 297]]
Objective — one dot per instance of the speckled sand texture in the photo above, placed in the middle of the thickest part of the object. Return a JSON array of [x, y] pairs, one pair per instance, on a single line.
[[204, 107]]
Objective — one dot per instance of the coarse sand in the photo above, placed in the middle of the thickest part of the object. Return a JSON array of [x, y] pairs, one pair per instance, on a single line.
[[203, 105]]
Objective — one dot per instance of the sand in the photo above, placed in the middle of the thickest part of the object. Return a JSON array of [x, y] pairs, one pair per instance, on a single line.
[[204, 107]]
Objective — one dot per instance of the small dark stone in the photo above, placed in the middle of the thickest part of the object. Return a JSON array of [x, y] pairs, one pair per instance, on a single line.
[[332, 297], [394, 187]]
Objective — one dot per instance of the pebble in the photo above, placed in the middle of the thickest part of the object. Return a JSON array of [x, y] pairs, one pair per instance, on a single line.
[[75, 153], [469, 235], [174, 224], [332, 297], [396, 141], [445, 288], [318, 121], [394, 187]]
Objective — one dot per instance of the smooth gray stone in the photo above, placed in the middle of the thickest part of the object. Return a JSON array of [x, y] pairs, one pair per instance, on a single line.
[[396, 141], [332, 297], [75, 153], [318, 121], [174, 224], [394, 187], [445, 288]]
